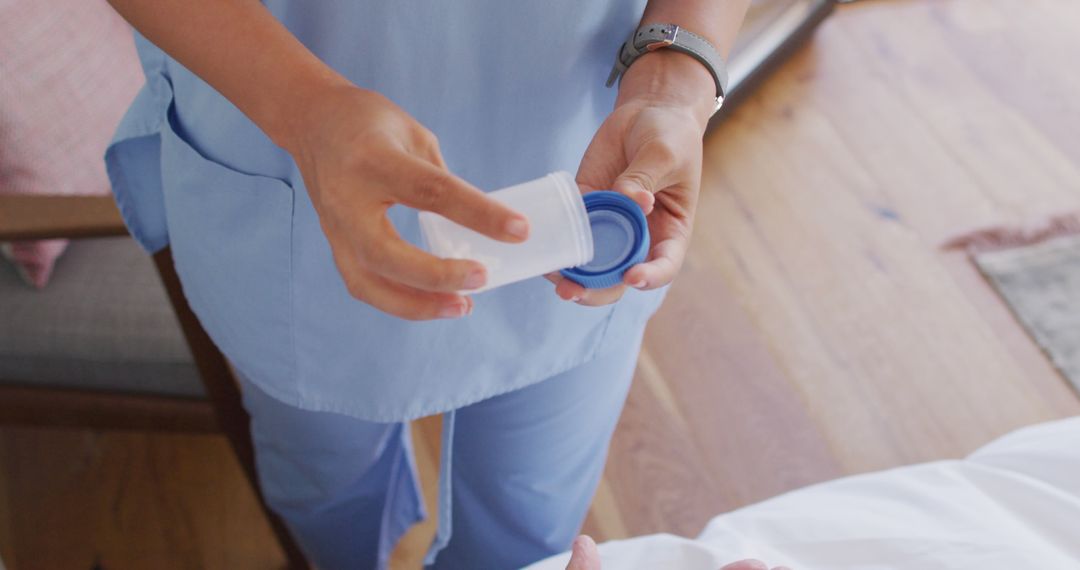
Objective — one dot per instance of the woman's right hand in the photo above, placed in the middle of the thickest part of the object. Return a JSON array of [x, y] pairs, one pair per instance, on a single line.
[[360, 154]]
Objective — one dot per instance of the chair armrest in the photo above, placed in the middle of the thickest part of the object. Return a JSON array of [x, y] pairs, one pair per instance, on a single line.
[[41, 217]]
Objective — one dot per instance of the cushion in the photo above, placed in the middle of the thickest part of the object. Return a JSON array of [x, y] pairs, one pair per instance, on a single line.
[[67, 74], [103, 323]]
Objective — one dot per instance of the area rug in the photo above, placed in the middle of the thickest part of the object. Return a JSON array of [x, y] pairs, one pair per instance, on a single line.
[[1037, 272]]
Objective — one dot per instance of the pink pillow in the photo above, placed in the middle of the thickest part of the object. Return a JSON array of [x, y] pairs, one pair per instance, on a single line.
[[68, 71]]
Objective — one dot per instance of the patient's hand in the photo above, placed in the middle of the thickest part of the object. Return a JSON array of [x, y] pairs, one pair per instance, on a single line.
[[585, 556], [751, 565]]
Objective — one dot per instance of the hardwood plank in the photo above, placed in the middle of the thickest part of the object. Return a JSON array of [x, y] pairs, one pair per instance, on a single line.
[[129, 500], [655, 478], [1023, 71], [735, 400], [7, 534], [995, 143]]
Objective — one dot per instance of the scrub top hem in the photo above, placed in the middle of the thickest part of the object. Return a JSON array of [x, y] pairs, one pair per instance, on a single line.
[[421, 410]]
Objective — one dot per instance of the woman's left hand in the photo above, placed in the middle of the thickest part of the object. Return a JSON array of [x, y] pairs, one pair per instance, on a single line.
[[650, 148]]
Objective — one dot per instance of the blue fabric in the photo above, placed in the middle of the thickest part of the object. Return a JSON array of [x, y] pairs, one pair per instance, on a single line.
[[513, 90], [523, 468]]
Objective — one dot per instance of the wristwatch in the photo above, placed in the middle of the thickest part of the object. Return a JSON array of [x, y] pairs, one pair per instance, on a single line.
[[651, 37]]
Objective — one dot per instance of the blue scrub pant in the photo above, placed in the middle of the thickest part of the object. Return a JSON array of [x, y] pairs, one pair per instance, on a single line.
[[524, 468]]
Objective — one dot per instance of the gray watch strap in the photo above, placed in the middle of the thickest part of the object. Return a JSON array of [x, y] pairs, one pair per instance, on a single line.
[[651, 37]]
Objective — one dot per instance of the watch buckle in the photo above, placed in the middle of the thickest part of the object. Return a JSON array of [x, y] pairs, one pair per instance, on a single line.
[[670, 33]]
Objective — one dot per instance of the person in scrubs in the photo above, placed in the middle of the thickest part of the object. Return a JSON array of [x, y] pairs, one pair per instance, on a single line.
[[282, 149]]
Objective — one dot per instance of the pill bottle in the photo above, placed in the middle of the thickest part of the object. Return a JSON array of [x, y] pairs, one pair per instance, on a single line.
[[563, 231], [559, 233]]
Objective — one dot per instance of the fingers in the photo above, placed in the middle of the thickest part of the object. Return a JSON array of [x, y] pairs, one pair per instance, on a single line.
[[397, 299], [568, 290], [435, 189], [383, 251], [665, 260], [649, 172], [392, 275], [584, 555]]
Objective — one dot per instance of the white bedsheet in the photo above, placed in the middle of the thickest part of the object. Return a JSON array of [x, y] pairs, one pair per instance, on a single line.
[[1014, 503]]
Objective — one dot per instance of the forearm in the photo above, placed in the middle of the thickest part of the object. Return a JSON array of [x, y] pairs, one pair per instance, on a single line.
[[670, 76], [242, 51]]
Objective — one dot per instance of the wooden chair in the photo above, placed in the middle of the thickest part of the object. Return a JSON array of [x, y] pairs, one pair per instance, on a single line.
[[200, 393]]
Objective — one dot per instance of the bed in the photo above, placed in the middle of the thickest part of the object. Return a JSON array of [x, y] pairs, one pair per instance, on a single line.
[[1014, 503]]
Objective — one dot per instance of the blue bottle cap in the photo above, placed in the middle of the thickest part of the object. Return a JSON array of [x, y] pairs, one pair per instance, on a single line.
[[620, 240]]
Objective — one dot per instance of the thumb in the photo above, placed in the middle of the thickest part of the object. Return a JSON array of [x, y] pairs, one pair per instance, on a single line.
[[647, 173], [584, 555]]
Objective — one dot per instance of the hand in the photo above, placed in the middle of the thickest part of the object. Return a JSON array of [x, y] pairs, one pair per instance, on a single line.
[[650, 148], [585, 556], [360, 154], [751, 565]]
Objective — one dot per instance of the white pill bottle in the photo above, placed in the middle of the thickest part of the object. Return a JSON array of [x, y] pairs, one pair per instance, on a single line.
[[592, 240], [559, 234]]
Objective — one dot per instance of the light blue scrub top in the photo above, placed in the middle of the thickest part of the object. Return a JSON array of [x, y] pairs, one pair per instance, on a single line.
[[513, 90]]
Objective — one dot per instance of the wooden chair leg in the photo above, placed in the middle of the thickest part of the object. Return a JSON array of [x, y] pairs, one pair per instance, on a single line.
[[224, 393]]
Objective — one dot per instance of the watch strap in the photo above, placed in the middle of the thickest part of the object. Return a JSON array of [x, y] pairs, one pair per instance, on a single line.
[[651, 37]]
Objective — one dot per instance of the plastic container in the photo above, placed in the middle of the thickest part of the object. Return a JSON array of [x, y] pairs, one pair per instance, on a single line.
[[620, 236], [559, 233]]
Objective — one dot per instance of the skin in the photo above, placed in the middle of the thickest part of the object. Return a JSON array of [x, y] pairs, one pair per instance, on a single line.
[[650, 147], [585, 556], [360, 135], [359, 153]]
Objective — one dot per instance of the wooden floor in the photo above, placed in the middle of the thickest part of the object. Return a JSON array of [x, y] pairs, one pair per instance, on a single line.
[[818, 328]]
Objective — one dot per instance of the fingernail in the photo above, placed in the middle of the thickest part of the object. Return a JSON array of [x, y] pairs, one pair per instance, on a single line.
[[575, 298], [518, 228], [475, 279], [640, 284], [453, 311]]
